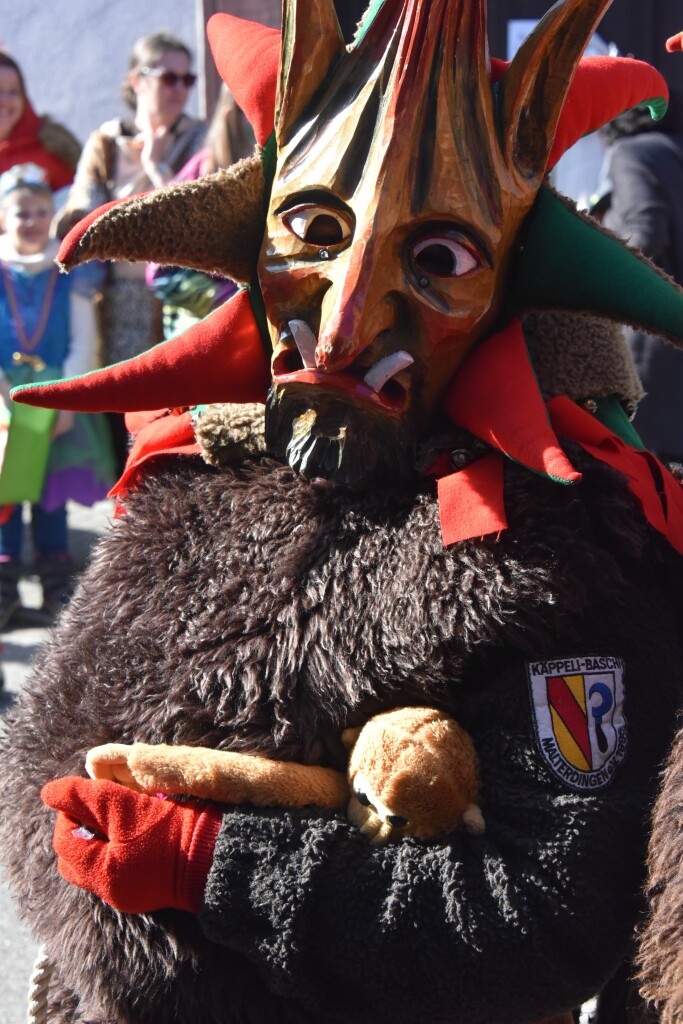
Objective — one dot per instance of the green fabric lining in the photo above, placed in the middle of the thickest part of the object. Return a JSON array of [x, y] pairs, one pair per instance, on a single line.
[[258, 306], [567, 262], [611, 414], [367, 20]]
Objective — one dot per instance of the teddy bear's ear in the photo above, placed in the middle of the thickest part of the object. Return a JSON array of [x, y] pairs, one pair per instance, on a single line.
[[350, 737]]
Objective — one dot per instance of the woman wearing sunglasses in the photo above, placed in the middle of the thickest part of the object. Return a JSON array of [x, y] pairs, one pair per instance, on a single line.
[[130, 155]]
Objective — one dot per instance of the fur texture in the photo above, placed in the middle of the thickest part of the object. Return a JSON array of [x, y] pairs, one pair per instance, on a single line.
[[228, 433], [225, 210], [247, 610], [661, 947], [580, 356]]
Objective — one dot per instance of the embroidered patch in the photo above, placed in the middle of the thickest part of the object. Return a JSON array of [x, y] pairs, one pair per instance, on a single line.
[[579, 714]]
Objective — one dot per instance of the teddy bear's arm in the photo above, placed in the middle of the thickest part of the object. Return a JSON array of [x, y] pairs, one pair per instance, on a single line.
[[224, 776]]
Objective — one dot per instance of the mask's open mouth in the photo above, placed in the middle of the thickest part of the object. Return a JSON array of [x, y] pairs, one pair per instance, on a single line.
[[382, 383]]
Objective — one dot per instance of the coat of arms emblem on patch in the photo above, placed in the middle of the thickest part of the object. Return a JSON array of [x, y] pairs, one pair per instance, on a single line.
[[579, 714]]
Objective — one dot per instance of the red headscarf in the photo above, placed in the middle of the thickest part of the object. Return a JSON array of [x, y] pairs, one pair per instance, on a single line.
[[24, 146]]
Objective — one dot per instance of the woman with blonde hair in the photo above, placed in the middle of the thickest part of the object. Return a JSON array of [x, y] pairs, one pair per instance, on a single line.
[[189, 295], [127, 156]]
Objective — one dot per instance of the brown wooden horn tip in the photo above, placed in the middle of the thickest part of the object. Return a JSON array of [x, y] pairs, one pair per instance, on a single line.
[[215, 224]]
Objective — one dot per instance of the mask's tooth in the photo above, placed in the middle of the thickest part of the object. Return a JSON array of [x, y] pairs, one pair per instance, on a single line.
[[306, 342], [382, 371]]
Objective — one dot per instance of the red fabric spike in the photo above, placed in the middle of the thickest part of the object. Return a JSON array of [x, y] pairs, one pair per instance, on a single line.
[[220, 359], [602, 88], [247, 56], [674, 44], [161, 434], [471, 501], [495, 396]]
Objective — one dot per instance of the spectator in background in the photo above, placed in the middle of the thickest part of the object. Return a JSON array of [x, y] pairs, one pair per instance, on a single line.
[[190, 295], [27, 138], [47, 330], [644, 204], [125, 157]]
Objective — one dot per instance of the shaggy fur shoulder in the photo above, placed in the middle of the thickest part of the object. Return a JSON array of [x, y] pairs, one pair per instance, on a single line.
[[661, 943]]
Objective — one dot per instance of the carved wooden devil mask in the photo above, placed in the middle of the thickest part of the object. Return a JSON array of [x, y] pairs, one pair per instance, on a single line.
[[403, 176]]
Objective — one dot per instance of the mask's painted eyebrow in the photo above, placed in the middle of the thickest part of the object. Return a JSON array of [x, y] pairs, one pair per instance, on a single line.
[[314, 197]]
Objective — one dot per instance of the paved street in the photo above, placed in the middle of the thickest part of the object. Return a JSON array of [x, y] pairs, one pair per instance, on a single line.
[[17, 948]]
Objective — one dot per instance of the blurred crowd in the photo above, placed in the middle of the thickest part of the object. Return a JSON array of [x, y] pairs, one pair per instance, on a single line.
[[55, 326]]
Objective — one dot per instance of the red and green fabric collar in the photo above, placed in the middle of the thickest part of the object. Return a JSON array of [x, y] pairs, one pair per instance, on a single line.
[[517, 424], [514, 422]]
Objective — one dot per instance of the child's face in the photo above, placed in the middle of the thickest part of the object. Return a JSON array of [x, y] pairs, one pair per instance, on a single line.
[[26, 218]]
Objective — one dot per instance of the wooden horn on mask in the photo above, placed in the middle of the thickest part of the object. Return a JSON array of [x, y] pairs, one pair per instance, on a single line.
[[535, 86], [312, 43]]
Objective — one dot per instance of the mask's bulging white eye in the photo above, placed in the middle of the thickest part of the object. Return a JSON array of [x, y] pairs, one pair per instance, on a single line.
[[318, 225], [443, 256]]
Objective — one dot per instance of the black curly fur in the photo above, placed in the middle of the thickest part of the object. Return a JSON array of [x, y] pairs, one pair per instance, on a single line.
[[246, 609]]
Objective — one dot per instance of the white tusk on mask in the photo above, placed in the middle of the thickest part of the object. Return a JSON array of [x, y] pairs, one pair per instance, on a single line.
[[306, 341], [387, 368]]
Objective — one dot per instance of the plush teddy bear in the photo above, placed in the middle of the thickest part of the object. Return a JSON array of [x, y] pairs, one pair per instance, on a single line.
[[412, 772]]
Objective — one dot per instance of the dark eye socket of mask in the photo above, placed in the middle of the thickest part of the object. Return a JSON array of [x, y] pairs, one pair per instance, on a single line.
[[318, 225], [324, 230], [440, 255], [437, 259]]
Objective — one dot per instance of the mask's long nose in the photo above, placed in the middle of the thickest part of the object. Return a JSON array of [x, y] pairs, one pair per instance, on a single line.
[[354, 310]]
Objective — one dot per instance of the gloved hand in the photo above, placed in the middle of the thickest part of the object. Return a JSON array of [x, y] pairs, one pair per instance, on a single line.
[[137, 853]]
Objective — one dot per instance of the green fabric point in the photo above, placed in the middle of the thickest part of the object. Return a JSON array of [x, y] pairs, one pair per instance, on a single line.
[[611, 414], [566, 261], [658, 107]]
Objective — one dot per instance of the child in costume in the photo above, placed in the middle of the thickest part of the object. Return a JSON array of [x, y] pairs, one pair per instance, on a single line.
[[46, 325], [451, 509]]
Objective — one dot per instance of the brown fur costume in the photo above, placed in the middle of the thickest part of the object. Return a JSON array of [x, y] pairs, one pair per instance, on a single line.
[[661, 946], [245, 661]]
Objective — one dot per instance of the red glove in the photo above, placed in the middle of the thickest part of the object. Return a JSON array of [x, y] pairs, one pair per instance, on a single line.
[[138, 853]]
